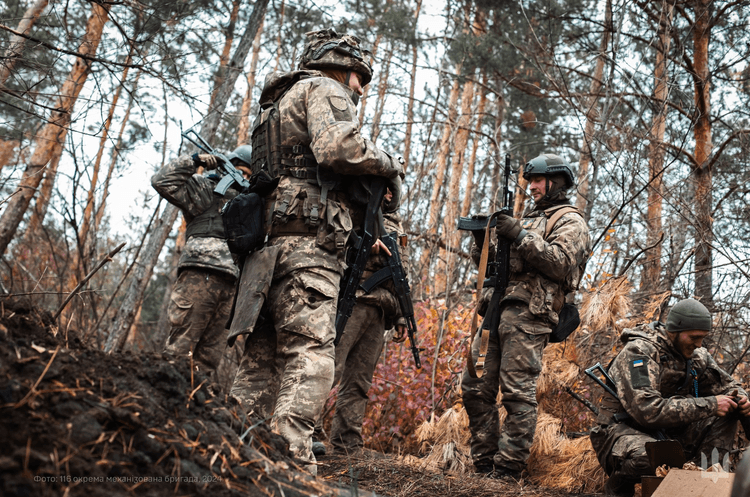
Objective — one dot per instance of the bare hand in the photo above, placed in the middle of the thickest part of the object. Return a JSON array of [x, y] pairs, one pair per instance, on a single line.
[[211, 161], [726, 404], [400, 334], [743, 405], [378, 245]]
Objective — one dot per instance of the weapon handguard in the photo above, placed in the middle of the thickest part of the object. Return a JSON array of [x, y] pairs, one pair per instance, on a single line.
[[395, 272], [233, 175], [356, 264]]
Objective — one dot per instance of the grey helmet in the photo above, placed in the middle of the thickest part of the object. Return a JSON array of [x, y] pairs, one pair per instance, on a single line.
[[548, 165], [688, 315], [243, 153], [325, 49]]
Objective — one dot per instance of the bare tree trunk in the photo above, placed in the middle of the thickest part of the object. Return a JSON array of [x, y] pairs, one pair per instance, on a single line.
[[651, 275], [39, 211], [243, 131], [116, 153], [469, 192], [592, 116], [410, 104], [224, 57], [702, 173], [52, 136], [382, 88], [441, 167], [279, 40], [16, 43], [134, 296], [88, 213], [366, 91]]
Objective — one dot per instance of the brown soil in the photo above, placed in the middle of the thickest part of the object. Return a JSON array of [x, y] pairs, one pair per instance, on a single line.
[[78, 422]]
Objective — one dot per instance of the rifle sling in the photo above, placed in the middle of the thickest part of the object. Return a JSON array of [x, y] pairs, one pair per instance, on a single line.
[[476, 369]]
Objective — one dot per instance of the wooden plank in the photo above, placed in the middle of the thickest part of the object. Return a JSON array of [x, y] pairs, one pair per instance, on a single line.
[[683, 483]]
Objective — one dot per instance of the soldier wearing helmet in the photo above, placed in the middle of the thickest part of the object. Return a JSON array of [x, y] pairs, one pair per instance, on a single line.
[[307, 137], [202, 296], [549, 249], [669, 387]]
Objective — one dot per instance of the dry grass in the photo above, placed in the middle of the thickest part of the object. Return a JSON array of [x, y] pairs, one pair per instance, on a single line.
[[606, 306], [557, 462], [562, 463]]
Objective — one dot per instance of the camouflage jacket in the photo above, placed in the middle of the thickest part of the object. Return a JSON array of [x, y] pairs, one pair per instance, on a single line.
[[383, 296], [543, 270], [320, 113], [654, 386], [193, 194]]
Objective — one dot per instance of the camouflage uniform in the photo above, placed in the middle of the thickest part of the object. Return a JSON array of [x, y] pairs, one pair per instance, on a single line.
[[359, 349], [289, 296], [658, 393], [202, 295], [542, 271]]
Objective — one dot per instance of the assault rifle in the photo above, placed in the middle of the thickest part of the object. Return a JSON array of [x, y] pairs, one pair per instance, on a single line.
[[395, 272], [499, 269], [232, 176], [356, 257]]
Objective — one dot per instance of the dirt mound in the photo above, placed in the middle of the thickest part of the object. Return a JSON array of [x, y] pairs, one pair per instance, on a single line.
[[78, 422]]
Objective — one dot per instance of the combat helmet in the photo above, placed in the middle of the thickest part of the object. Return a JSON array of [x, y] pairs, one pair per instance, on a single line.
[[325, 49], [548, 165], [688, 315], [242, 153]]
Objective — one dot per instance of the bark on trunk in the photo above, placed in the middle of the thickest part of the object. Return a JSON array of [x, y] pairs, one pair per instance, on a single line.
[[243, 131], [651, 276], [702, 173], [592, 116], [441, 167], [16, 43], [410, 104], [382, 88], [224, 57], [52, 136]]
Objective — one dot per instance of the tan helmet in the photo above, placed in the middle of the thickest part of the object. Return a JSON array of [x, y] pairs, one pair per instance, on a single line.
[[325, 49]]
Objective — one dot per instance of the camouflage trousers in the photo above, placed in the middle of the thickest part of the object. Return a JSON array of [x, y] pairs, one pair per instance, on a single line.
[[287, 367], [621, 449], [513, 364], [356, 357], [198, 312]]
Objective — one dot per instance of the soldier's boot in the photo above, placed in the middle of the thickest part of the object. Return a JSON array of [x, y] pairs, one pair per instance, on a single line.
[[619, 486]]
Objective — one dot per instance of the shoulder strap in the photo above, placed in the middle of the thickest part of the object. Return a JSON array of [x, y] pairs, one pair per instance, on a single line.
[[554, 215]]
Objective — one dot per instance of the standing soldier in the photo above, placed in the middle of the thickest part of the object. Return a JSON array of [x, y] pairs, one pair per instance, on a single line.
[[360, 346], [202, 295], [545, 265], [307, 135]]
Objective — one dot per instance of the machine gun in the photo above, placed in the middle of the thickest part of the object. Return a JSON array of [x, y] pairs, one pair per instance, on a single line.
[[356, 257], [395, 272], [232, 176]]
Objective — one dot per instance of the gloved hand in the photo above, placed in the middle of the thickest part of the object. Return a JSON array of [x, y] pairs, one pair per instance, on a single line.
[[208, 161], [509, 227]]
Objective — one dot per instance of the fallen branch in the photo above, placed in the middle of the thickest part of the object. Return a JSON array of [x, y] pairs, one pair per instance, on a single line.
[[106, 259]]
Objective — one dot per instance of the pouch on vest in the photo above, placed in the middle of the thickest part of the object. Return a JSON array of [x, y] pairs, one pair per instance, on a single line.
[[569, 321], [243, 223]]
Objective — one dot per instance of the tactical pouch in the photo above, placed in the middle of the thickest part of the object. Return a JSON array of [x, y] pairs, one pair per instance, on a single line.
[[569, 321], [243, 223]]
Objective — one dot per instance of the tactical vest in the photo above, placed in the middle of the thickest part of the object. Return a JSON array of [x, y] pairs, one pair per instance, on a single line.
[[209, 222], [297, 161]]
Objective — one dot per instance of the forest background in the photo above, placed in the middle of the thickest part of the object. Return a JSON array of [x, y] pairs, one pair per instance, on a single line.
[[647, 99]]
